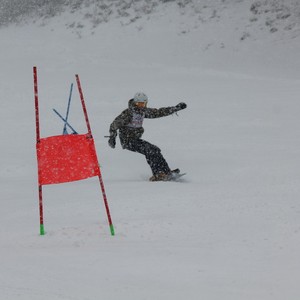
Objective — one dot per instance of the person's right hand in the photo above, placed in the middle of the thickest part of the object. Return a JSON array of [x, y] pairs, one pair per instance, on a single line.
[[112, 141]]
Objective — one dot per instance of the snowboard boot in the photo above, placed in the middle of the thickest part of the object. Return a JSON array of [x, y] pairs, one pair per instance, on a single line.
[[164, 176], [160, 177]]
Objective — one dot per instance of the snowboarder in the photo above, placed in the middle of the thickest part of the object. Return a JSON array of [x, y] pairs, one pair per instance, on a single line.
[[130, 126]]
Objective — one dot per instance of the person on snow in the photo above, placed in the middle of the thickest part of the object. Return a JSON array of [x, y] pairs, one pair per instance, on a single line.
[[130, 126]]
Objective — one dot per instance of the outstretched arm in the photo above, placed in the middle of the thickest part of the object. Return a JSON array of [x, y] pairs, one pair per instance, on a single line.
[[152, 113]]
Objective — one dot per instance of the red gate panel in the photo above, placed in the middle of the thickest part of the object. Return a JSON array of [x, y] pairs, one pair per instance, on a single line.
[[66, 158]]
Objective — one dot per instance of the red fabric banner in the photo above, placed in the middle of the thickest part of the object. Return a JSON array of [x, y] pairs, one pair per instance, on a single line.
[[66, 158]]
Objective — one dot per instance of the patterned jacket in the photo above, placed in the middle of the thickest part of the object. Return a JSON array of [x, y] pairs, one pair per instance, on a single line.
[[130, 121]]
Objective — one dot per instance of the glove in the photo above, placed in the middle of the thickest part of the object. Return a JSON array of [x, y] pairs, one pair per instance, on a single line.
[[180, 106], [112, 140]]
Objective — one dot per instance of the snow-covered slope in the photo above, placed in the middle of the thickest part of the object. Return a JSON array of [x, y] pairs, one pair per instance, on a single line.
[[230, 230]]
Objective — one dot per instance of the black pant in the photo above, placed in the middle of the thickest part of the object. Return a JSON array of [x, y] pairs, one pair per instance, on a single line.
[[152, 153]]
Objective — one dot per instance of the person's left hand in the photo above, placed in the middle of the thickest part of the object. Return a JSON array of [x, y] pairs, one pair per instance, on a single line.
[[180, 106]]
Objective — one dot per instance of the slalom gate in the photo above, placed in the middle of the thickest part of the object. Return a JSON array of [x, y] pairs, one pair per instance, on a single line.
[[66, 157]]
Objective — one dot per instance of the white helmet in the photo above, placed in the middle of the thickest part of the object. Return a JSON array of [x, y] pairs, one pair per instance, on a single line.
[[140, 97]]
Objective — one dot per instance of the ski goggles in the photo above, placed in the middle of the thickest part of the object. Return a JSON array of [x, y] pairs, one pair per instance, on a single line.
[[141, 104]]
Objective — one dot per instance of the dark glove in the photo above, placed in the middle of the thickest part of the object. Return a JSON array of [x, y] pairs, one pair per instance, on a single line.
[[112, 140], [180, 106]]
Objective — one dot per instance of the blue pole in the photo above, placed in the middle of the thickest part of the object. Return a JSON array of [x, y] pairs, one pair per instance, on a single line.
[[66, 122], [68, 109]]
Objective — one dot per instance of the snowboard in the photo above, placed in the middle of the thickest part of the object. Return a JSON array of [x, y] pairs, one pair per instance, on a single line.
[[176, 176]]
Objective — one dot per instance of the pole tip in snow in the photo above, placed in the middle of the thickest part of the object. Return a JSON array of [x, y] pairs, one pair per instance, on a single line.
[[42, 230], [112, 230]]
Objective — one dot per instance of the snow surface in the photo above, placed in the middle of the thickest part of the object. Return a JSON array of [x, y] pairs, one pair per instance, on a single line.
[[229, 231]]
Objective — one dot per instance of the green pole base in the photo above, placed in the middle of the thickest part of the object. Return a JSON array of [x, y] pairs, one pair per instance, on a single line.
[[42, 230], [112, 230]]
